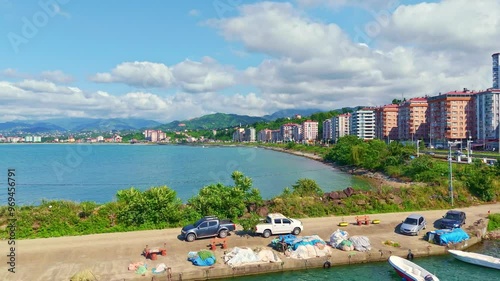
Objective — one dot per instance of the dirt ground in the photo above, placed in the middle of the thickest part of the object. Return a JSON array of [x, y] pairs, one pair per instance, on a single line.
[[108, 255]]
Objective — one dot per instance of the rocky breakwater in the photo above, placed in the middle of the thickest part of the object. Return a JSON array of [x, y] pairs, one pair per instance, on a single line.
[[367, 198]]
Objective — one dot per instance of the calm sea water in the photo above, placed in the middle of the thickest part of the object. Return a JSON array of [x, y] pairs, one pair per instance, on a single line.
[[445, 267], [93, 172]]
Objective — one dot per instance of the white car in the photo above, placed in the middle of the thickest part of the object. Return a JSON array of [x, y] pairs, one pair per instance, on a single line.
[[276, 223]]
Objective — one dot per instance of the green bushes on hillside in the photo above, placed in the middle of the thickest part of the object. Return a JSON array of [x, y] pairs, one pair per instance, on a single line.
[[159, 207]]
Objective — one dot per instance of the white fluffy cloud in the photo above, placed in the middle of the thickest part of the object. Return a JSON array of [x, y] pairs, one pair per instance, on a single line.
[[414, 50], [451, 25], [56, 76], [316, 64], [31, 99], [139, 74], [188, 75], [204, 76], [278, 29]]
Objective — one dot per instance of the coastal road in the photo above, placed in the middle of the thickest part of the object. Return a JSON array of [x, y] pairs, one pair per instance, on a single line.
[[108, 255]]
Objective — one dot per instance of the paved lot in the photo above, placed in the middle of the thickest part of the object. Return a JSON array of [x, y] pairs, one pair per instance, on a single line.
[[108, 255]]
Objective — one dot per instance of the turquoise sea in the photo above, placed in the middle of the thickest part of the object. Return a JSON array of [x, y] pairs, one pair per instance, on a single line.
[[94, 172], [445, 267]]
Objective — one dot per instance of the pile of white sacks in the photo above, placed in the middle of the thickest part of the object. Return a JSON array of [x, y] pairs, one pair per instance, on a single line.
[[340, 240]]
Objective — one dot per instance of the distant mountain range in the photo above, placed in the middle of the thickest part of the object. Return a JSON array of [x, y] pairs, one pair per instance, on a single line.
[[77, 125], [290, 113], [222, 120]]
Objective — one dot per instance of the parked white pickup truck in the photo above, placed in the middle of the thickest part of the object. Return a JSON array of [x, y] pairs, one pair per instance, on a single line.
[[276, 223]]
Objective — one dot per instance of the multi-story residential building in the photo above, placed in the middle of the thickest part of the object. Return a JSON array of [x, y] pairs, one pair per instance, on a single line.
[[276, 136], [488, 118], [363, 123], [154, 135], [264, 135], [341, 126], [412, 119], [327, 130], [309, 131], [250, 134], [290, 132], [496, 66], [386, 122], [451, 116], [239, 135]]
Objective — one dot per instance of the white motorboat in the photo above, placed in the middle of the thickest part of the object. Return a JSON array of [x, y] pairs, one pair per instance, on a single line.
[[475, 258], [410, 271]]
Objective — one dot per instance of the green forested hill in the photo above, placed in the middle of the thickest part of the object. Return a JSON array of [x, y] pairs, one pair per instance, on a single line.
[[212, 121]]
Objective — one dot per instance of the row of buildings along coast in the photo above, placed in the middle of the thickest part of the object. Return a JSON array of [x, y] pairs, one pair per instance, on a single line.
[[453, 116]]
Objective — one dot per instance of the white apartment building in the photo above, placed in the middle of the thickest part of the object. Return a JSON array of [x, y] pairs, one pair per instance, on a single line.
[[250, 134], [309, 131], [154, 135], [341, 126], [488, 117], [363, 124], [290, 132]]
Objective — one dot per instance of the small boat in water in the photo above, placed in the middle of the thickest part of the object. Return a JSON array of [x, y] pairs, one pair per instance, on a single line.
[[475, 258], [410, 271]]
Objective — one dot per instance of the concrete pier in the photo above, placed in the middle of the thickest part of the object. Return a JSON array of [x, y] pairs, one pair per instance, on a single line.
[[108, 256]]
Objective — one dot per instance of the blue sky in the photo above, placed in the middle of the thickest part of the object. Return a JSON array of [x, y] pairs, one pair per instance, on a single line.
[[165, 61]]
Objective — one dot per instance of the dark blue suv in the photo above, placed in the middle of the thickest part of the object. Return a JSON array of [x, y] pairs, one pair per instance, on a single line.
[[453, 219]]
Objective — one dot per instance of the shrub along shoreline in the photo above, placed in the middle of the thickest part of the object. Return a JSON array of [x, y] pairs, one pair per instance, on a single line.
[[159, 207]]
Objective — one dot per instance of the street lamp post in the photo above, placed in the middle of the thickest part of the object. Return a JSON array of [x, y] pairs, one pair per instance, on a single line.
[[469, 153], [451, 172], [451, 175]]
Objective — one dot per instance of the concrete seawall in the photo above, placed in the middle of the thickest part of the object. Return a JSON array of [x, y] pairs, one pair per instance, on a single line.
[[108, 256], [338, 258]]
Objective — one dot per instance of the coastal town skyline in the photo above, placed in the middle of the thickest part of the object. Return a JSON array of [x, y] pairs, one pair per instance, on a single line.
[[68, 59]]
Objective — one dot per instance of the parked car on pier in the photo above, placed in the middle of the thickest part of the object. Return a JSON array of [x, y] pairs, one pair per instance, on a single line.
[[453, 219], [209, 226], [413, 224], [276, 223]]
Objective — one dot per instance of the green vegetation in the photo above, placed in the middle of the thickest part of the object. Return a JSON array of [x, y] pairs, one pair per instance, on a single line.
[[159, 207], [211, 121], [494, 222], [226, 201], [133, 136]]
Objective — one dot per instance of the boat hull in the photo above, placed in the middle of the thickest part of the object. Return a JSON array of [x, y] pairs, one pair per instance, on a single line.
[[477, 259], [410, 271]]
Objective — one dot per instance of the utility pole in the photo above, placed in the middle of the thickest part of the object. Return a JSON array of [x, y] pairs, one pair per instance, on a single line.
[[418, 141]]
